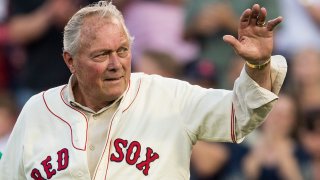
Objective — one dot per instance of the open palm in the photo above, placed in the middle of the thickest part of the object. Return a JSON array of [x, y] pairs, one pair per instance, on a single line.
[[255, 36]]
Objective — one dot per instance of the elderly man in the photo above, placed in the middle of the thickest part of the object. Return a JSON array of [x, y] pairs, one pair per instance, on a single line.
[[109, 123]]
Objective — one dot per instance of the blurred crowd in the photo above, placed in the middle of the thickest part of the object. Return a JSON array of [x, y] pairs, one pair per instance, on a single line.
[[183, 39]]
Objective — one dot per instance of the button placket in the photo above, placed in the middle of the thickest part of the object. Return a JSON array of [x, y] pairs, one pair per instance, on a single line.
[[80, 173], [91, 147]]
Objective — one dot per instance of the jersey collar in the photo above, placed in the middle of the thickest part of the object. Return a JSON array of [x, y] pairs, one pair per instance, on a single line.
[[69, 96]]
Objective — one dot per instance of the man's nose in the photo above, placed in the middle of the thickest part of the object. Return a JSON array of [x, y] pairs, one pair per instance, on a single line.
[[114, 62]]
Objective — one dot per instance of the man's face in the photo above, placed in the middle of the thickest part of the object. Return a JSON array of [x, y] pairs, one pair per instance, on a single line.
[[102, 64]]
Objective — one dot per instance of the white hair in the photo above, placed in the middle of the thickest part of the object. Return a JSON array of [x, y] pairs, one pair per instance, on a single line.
[[71, 34]]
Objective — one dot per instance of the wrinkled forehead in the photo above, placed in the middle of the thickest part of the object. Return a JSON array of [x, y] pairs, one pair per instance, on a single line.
[[92, 24]]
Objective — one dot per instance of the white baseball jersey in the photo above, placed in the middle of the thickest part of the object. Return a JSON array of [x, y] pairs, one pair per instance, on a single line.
[[150, 135]]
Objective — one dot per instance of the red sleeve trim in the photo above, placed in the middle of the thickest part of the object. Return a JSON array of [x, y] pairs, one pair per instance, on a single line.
[[233, 121]]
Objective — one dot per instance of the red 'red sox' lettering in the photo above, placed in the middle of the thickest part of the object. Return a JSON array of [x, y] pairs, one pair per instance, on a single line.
[[63, 162], [133, 154], [146, 164], [63, 159], [117, 143], [47, 166], [136, 155]]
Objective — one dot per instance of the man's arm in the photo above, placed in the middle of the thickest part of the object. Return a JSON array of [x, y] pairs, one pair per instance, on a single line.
[[218, 115], [260, 81], [255, 43], [251, 101]]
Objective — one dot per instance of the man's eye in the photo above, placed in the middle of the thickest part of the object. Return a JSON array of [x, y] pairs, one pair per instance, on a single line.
[[123, 52], [100, 55]]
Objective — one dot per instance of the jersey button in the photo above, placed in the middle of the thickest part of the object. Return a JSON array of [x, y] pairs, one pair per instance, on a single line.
[[80, 173], [91, 147]]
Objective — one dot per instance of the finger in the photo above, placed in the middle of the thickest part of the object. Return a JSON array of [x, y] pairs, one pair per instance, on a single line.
[[262, 16], [233, 42], [273, 23], [244, 18], [254, 14]]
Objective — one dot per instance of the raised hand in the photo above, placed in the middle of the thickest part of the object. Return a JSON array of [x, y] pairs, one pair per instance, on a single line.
[[255, 35]]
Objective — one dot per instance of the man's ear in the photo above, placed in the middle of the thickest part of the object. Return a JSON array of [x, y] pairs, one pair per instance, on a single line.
[[68, 59]]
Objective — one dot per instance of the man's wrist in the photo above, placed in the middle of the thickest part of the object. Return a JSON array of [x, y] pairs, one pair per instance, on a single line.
[[258, 66]]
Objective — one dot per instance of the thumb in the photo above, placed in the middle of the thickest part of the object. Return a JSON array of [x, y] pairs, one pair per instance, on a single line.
[[232, 41]]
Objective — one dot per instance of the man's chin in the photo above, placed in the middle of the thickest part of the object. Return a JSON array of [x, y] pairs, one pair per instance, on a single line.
[[112, 96], [114, 91]]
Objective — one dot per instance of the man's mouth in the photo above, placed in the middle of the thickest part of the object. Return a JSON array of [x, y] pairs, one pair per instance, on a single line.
[[113, 79]]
